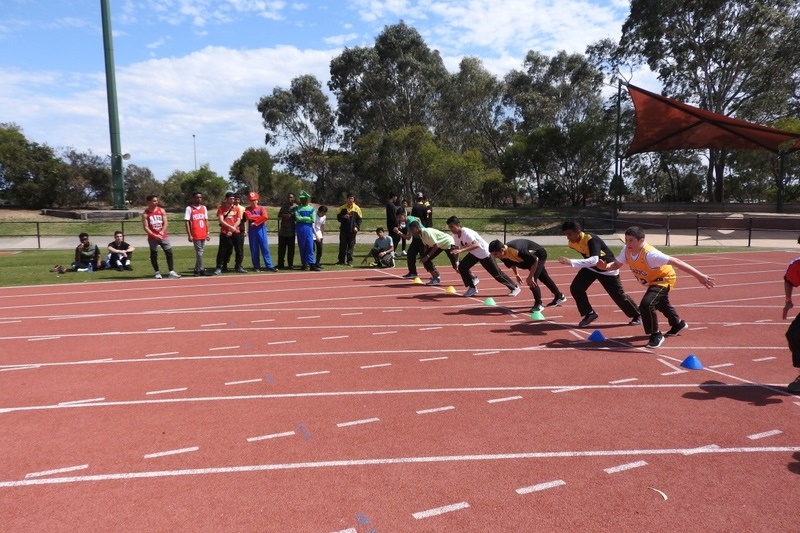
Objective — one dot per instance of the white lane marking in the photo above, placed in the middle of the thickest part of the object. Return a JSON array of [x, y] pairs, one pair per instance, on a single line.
[[674, 373], [760, 359], [626, 380], [45, 338], [376, 366], [161, 329], [243, 381], [435, 410], [433, 359], [765, 434], [440, 510], [721, 365], [487, 353], [171, 452], [393, 310], [280, 342], [307, 317], [317, 373], [11, 322], [565, 389], [162, 353], [214, 324], [622, 468], [20, 367], [262, 320], [383, 332], [348, 530], [702, 449], [78, 402], [357, 422], [271, 436], [352, 314], [783, 450], [334, 338], [217, 348], [669, 365], [430, 329], [541, 486], [506, 399], [56, 471], [166, 391]]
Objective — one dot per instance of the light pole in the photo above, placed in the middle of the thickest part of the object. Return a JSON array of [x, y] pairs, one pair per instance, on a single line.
[[194, 143], [117, 176]]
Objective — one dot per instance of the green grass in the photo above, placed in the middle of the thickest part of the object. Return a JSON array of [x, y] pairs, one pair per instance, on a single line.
[[31, 267]]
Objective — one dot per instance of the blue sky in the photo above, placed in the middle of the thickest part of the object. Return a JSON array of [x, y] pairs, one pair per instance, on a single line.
[[197, 68]]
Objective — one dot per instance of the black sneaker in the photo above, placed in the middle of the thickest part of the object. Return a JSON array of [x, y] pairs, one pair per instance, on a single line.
[[656, 340], [636, 321], [674, 330], [410, 275], [794, 386], [558, 300], [588, 319], [240, 270]]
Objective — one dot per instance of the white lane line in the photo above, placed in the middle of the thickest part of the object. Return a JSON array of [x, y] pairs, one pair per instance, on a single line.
[[440, 510], [243, 381], [171, 452], [348, 530], [435, 410], [162, 353], [218, 348], [487, 353], [626, 380], [167, 391], [11, 322], [702, 449], [376, 366], [357, 422], [669, 365], [352, 314], [44, 338], [78, 402], [262, 320], [384, 332], [765, 434], [307, 317], [56, 471], [304, 374], [760, 359], [565, 389], [506, 399], [541, 486], [674, 372], [430, 329], [161, 329], [393, 310], [433, 359], [622, 468], [334, 338], [271, 436], [782, 450], [280, 342], [20, 367], [721, 365], [214, 324]]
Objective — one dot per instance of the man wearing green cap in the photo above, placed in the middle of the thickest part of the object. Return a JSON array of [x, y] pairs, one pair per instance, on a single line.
[[304, 217]]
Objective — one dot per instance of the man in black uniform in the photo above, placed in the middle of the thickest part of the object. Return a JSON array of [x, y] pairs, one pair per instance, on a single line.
[[527, 255]]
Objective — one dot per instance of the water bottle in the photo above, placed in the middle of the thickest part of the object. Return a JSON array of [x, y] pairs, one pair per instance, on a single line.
[[91, 267]]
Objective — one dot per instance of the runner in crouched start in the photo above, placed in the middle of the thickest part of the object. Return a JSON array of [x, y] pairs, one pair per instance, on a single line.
[[527, 255], [435, 242]]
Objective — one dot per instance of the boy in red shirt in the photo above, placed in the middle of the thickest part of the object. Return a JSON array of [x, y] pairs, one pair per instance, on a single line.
[[196, 220], [154, 222], [791, 280]]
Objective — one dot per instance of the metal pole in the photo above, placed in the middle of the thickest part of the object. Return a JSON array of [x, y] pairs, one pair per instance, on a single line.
[[117, 177], [194, 143]]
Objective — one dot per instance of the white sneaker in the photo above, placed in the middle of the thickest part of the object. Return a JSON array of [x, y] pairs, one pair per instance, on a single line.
[[472, 291], [158, 275], [173, 274], [515, 291], [475, 280]]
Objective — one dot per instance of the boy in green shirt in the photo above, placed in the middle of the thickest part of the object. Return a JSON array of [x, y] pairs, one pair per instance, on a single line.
[[435, 242]]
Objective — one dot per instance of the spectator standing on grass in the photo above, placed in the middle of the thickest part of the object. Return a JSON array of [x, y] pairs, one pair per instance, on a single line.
[[525, 254], [382, 250], [319, 233], [402, 229], [422, 210], [286, 233], [304, 216], [477, 251], [349, 218], [256, 217], [238, 238], [155, 222], [415, 248], [435, 242], [87, 255], [120, 253], [654, 270], [594, 249], [228, 216], [791, 279], [391, 219], [196, 221]]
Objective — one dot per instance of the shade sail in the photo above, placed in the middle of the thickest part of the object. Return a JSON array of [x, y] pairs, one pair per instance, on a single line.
[[665, 124]]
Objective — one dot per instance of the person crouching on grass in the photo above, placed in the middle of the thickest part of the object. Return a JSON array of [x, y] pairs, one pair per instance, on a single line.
[[654, 270]]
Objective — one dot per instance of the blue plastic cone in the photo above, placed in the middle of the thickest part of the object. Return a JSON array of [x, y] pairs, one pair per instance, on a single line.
[[537, 315], [692, 363], [489, 301], [597, 336]]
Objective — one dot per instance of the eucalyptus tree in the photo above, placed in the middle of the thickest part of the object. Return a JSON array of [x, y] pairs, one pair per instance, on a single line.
[[735, 57], [302, 121], [31, 175], [253, 172]]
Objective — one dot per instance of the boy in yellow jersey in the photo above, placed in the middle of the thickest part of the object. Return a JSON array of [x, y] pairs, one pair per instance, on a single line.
[[654, 269]]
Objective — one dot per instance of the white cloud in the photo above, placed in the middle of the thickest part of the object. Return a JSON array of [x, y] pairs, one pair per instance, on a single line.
[[340, 40]]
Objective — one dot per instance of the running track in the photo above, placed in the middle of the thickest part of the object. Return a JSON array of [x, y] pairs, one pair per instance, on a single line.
[[355, 401]]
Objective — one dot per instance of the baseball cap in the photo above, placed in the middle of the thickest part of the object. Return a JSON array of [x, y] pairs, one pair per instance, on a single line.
[[252, 196]]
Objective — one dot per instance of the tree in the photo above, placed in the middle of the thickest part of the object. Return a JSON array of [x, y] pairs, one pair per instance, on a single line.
[[734, 57], [180, 185], [253, 171], [30, 173], [140, 183], [91, 176], [302, 117]]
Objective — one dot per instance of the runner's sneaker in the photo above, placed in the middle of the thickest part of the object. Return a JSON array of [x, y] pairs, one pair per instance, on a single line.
[[794, 386], [434, 281], [410, 276], [472, 291], [158, 275], [674, 330], [515, 291], [635, 321], [558, 300], [217, 271], [475, 280], [590, 317], [173, 275], [656, 340], [537, 307]]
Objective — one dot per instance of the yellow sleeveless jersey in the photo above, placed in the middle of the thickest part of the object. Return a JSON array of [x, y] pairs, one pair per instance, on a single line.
[[663, 276]]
